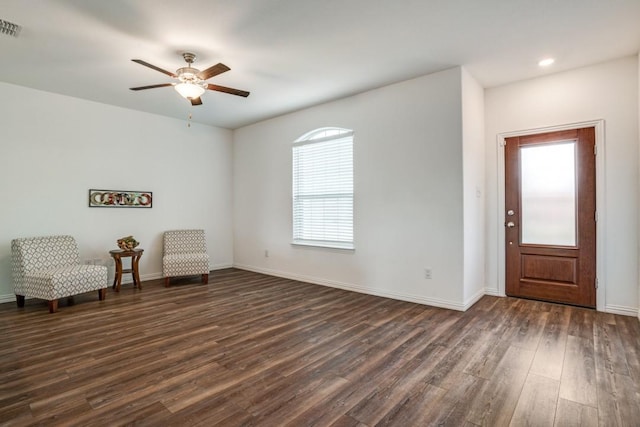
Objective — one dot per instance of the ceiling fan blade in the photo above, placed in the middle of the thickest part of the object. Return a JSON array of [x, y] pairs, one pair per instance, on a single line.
[[230, 90], [213, 71], [151, 86], [196, 101], [153, 67]]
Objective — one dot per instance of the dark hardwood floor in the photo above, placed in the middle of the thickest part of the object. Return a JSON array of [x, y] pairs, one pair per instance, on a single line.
[[250, 349]]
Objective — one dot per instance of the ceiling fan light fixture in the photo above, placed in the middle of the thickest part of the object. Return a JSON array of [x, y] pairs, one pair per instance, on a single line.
[[189, 90]]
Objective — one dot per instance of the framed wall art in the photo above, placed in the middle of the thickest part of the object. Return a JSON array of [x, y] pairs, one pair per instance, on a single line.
[[120, 199]]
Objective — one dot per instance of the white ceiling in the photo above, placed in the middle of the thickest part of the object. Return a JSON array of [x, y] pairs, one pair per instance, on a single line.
[[291, 54]]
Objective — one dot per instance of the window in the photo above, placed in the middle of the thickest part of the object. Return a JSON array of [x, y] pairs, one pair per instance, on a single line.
[[323, 188]]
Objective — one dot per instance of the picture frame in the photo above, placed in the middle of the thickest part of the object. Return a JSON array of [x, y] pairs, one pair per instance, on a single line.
[[120, 199]]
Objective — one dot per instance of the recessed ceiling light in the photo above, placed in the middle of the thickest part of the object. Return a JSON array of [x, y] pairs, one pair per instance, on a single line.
[[546, 62]]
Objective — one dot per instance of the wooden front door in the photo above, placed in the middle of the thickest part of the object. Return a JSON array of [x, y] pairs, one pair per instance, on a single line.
[[550, 217]]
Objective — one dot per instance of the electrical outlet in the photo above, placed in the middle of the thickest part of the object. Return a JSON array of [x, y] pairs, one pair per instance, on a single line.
[[266, 253], [427, 273]]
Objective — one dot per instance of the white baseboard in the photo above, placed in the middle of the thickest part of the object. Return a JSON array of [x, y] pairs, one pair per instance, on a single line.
[[474, 299], [620, 309], [221, 266], [126, 279], [493, 291], [436, 302], [7, 298], [609, 308]]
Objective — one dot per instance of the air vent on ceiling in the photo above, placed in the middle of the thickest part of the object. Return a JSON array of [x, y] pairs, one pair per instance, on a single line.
[[9, 28]]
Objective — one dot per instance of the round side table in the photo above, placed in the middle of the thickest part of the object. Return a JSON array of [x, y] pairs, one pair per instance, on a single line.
[[117, 255]]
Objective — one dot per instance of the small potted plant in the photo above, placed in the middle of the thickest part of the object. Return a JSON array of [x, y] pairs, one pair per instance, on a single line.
[[127, 243]]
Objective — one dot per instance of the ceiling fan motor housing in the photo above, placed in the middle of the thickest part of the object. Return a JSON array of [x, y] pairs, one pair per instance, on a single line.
[[188, 74], [189, 57]]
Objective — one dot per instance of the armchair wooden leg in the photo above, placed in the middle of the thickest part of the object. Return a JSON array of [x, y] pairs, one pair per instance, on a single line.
[[53, 306], [102, 294], [166, 282], [205, 279], [20, 300]]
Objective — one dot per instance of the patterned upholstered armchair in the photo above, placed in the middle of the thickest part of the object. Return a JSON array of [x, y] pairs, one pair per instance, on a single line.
[[49, 268], [185, 254]]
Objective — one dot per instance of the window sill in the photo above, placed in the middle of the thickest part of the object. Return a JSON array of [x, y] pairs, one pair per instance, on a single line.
[[327, 245]]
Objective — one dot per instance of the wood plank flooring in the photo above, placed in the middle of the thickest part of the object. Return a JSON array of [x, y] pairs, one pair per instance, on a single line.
[[254, 350]]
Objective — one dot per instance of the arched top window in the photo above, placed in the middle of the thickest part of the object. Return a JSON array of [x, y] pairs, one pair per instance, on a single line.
[[323, 188], [324, 133]]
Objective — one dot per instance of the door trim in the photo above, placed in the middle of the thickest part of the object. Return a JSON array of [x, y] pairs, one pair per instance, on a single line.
[[599, 126]]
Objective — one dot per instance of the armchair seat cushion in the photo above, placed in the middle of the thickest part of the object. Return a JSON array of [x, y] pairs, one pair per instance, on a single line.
[[185, 264], [60, 282]]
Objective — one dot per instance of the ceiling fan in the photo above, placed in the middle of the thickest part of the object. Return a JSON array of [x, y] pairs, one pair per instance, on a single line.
[[191, 81]]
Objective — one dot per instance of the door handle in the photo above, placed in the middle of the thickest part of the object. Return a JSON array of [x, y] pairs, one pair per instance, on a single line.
[[511, 224]]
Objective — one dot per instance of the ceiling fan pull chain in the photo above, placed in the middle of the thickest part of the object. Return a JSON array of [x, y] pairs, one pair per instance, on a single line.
[[189, 120]]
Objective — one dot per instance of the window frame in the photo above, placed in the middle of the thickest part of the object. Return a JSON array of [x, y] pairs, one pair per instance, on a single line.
[[320, 136]]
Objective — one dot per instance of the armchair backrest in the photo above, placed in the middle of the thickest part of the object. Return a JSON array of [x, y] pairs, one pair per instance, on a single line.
[[184, 241], [41, 253]]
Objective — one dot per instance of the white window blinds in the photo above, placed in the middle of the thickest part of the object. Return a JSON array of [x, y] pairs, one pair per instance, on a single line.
[[323, 189]]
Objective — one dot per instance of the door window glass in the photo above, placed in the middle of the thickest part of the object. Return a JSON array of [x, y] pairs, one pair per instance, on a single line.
[[548, 191]]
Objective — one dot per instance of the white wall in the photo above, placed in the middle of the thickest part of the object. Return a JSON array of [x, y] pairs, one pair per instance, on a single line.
[[473, 187], [607, 91], [54, 148], [408, 192]]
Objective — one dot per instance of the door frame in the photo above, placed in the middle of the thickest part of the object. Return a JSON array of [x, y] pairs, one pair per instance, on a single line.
[[599, 126]]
